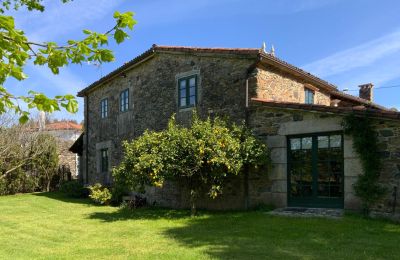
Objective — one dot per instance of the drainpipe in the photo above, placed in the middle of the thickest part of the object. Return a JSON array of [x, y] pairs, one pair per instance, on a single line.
[[87, 140], [246, 168]]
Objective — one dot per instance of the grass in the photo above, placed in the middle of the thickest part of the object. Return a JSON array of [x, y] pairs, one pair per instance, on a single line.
[[50, 226]]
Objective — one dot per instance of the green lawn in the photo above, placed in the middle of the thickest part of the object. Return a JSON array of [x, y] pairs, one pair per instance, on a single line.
[[48, 225]]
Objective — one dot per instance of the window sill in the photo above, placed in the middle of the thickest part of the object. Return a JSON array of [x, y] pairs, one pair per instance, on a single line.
[[184, 109]]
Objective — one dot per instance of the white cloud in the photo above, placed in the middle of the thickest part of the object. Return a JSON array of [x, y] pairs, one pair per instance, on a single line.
[[360, 56]]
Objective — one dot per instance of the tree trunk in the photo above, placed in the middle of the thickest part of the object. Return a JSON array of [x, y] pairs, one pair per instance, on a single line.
[[193, 197], [48, 185]]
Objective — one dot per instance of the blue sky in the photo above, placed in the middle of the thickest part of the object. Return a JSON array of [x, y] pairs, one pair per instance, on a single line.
[[347, 43]]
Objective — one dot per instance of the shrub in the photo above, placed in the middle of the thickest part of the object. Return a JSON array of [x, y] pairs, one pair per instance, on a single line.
[[3, 187], [99, 194], [117, 192], [73, 189], [202, 156]]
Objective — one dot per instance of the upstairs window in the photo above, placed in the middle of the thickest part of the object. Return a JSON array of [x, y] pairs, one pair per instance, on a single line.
[[309, 96], [104, 108], [124, 100], [104, 160], [187, 91]]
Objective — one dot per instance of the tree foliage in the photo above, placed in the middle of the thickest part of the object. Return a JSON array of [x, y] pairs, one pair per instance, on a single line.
[[202, 156], [16, 50], [28, 160], [46, 165], [365, 143]]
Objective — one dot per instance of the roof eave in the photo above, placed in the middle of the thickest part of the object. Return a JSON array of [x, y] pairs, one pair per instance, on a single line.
[[374, 113], [129, 65], [271, 60]]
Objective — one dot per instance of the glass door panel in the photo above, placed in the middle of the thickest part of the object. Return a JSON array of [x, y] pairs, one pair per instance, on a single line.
[[315, 168]]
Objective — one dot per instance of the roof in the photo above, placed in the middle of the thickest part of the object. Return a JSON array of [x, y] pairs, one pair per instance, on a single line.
[[77, 146], [258, 54], [63, 125], [155, 48], [358, 110]]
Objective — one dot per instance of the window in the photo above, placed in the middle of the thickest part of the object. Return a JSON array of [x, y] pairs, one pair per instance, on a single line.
[[309, 96], [104, 108], [124, 100], [104, 160], [187, 91]]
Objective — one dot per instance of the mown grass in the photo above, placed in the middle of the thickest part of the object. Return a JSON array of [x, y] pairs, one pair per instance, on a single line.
[[51, 226]]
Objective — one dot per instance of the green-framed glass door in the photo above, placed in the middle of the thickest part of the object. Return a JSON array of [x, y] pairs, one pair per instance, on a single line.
[[315, 170]]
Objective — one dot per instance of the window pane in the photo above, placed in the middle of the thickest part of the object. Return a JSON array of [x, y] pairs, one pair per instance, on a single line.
[[336, 140], [309, 96], [183, 102], [192, 91], [182, 84], [192, 100], [295, 144], [306, 143], [183, 93], [192, 82], [323, 142]]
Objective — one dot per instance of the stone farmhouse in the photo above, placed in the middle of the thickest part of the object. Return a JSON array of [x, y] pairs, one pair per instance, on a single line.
[[297, 114]]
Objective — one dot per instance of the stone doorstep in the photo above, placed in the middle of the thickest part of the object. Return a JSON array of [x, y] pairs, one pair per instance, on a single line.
[[308, 212]]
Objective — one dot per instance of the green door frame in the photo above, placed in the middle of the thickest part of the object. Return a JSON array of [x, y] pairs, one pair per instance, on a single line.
[[314, 201]]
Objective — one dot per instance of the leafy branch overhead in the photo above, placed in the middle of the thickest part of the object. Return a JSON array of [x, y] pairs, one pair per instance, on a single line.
[[16, 50]]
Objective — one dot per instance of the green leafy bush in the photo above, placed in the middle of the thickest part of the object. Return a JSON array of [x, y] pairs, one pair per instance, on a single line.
[[99, 194], [73, 189], [202, 157], [18, 182], [3, 187]]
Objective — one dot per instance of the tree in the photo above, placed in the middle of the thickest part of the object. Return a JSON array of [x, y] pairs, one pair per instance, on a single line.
[[28, 159], [202, 156], [46, 164], [16, 50]]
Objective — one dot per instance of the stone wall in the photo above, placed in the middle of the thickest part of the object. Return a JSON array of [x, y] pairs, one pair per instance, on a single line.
[[273, 125], [176, 195], [153, 99], [276, 85], [66, 159], [389, 144]]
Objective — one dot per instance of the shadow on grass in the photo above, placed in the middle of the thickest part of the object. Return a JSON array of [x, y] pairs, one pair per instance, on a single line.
[[63, 197], [256, 235], [259, 236], [140, 214]]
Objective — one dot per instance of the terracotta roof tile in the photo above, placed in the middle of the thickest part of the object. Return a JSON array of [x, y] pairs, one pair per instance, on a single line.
[[359, 110], [63, 125]]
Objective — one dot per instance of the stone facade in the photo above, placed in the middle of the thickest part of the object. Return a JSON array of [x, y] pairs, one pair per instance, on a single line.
[[274, 125], [389, 144], [273, 84], [223, 78], [68, 161], [153, 100]]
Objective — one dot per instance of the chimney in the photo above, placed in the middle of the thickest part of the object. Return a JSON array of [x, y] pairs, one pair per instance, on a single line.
[[366, 91]]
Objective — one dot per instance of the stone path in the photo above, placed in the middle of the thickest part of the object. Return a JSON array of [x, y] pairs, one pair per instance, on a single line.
[[308, 212]]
